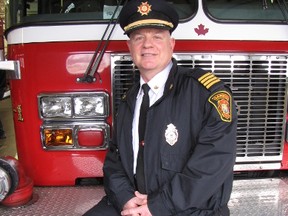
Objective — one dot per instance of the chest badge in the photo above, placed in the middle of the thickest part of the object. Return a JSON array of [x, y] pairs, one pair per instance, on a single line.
[[171, 134]]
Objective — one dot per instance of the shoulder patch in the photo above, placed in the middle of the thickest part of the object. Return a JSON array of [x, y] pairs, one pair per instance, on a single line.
[[208, 80], [222, 101]]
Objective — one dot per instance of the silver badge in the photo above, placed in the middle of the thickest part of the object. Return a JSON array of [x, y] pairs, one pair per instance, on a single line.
[[171, 134]]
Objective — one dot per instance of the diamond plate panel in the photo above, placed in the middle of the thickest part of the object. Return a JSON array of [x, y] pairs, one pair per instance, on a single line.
[[253, 197]]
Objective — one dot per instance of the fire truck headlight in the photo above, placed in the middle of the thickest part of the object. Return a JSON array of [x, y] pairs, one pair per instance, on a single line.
[[58, 138], [55, 107], [71, 106], [90, 106]]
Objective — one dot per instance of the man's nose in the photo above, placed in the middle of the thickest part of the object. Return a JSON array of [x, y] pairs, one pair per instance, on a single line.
[[148, 42]]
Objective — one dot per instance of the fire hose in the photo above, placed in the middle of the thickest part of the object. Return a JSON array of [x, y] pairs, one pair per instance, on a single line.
[[16, 188]]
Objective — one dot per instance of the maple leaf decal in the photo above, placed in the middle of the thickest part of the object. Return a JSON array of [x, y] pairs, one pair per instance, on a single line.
[[201, 30]]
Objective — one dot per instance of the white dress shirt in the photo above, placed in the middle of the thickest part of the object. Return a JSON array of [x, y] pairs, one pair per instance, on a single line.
[[156, 84]]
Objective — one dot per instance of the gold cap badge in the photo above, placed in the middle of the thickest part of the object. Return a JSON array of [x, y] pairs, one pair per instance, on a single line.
[[144, 8]]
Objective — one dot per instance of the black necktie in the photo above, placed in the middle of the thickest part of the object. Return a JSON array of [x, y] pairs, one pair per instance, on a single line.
[[140, 178]]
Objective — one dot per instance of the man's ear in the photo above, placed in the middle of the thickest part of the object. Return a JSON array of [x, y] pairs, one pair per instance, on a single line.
[[172, 42]]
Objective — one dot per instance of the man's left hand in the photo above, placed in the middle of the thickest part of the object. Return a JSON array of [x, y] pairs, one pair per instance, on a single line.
[[140, 210]]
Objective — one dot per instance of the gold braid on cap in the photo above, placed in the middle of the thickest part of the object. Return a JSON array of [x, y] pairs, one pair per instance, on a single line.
[[148, 21]]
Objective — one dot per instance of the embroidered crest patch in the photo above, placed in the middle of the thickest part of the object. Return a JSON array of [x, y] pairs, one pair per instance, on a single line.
[[221, 100], [144, 8], [171, 134]]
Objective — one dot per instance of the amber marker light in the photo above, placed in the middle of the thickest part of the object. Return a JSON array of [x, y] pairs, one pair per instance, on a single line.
[[58, 138]]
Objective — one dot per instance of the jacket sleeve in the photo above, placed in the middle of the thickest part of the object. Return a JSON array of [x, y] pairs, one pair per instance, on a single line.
[[117, 185], [210, 165]]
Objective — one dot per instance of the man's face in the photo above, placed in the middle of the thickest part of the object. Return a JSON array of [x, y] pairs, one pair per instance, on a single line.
[[151, 50]]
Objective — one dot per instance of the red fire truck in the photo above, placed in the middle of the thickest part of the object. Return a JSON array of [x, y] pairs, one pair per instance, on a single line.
[[70, 66]]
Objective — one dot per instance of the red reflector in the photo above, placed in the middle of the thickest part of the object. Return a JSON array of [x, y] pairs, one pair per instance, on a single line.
[[91, 138]]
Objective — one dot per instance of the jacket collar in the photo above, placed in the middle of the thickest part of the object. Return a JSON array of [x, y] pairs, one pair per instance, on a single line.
[[170, 81]]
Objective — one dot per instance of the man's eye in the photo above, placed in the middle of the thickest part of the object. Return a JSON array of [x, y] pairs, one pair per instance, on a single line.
[[137, 37], [158, 37]]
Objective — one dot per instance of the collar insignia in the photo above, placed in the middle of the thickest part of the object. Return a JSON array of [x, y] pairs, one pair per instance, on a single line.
[[144, 8], [171, 134], [222, 102]]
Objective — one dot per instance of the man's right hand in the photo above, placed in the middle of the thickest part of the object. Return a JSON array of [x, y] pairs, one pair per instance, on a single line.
[[138, 200]]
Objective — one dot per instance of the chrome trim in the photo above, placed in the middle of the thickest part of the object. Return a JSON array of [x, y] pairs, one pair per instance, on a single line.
[[12, 68], [257, 166], [5, 184]]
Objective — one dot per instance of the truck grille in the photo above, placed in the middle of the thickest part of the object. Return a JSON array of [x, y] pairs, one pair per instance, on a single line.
[[258, 83]]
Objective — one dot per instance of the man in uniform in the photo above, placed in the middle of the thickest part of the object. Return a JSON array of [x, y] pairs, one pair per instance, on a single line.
[[181, 163]]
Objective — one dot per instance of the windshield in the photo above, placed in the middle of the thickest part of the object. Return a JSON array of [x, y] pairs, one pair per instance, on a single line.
[[72, 11], [247, 10], [35, 11]]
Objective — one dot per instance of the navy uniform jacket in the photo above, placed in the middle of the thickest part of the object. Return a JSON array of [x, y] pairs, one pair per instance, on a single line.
[[190, 146]]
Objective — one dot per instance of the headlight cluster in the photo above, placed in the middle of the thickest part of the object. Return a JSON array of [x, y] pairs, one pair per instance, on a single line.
[[74, 121], [73, 105]]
